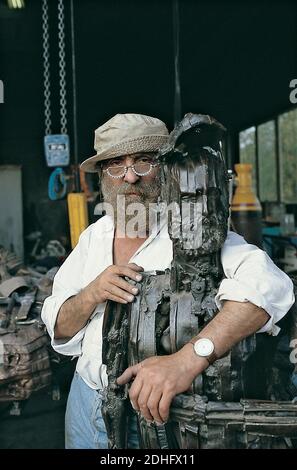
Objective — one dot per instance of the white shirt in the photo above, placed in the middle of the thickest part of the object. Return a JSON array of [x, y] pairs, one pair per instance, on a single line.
[[250, 276]]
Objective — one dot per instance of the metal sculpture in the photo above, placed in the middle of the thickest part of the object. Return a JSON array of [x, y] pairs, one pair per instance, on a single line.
[[173, 306]]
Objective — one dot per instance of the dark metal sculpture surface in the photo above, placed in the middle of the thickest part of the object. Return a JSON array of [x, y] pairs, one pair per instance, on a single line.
[[173, 306]]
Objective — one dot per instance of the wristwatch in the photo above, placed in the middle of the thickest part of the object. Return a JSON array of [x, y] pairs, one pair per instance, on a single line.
[[204, 347]]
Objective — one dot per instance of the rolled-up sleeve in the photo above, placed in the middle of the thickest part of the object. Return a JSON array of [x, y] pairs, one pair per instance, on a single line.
[[251, 276], [67, 283]]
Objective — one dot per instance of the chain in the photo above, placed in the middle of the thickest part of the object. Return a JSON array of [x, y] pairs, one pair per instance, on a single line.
[[62, 67], [46, 68]]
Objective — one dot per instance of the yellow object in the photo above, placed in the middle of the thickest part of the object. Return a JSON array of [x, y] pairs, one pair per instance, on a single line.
[[244, 198], [246, 211], [78, 215]]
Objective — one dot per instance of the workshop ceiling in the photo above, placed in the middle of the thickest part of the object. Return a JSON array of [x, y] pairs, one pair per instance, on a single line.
[[236, 62]]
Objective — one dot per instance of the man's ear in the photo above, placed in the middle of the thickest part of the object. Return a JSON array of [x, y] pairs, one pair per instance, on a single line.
[[100, 176]]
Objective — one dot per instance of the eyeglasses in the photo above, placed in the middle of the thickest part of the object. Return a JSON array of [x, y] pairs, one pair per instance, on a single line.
[[139, 168]]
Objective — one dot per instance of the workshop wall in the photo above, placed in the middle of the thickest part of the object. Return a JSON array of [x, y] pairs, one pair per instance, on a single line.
[[236, 63]]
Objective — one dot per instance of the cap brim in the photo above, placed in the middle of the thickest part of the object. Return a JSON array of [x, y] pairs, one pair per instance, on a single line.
[[146, 143]]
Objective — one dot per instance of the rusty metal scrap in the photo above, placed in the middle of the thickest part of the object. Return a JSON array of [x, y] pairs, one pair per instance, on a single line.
[[223, 425], [24, 356], [115, 406]]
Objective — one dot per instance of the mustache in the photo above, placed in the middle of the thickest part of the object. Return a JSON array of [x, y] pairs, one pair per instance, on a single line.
[[127, 188], [145, 191], [139, 188]]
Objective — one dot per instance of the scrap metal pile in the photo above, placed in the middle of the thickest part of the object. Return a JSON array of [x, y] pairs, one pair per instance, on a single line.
[[24, 354]]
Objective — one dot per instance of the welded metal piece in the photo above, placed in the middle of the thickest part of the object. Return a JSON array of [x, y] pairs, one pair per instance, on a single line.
[[115, 404]]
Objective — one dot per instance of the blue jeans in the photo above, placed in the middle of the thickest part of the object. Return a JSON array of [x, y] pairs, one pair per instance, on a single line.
[[84, 425]]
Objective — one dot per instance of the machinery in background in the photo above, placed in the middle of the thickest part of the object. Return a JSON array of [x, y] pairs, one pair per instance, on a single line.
[[289, 260], [281, 248], [44, 254], [57, 146]]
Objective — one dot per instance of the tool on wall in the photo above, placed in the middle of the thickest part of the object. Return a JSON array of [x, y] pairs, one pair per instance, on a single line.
[[57, 185]]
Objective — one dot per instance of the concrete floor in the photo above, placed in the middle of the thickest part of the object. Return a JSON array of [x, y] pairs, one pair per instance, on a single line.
[[41, 422]]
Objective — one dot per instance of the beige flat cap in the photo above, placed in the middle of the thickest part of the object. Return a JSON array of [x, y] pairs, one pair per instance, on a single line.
[[126, 134]]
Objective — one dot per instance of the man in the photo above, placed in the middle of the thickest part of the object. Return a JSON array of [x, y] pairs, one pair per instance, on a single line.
[[254, 295]]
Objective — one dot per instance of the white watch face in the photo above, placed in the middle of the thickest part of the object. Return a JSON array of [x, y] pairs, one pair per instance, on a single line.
[[204, 347]]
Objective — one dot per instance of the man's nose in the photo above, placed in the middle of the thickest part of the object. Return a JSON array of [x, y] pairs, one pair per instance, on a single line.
[[130, 176]]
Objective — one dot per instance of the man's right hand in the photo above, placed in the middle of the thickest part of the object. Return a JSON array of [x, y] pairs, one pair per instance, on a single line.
[[111, 285]]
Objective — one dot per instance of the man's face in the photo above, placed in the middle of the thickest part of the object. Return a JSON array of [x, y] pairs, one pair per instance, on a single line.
[[133, 187]]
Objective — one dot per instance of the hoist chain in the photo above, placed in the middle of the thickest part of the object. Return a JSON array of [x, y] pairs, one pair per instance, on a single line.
[[46, 68], [62, 67]]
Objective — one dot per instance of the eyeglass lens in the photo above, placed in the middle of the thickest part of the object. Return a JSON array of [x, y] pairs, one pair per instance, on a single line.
[[140, 168]]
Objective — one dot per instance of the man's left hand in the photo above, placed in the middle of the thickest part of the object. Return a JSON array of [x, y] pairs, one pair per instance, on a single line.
[[157, 380]]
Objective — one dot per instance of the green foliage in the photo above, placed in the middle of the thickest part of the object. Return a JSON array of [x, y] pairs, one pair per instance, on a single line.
[[267, 162], [288, 156]]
